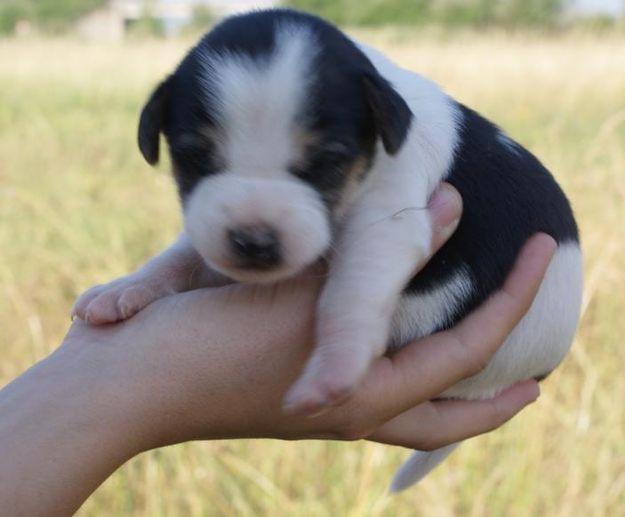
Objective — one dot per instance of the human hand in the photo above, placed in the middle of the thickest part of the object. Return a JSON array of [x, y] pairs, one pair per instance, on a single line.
[[215, 363]]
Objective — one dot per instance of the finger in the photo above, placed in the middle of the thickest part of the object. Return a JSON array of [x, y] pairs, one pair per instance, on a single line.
[[436, 424], [507, 306], [445, 209], [424, 370]]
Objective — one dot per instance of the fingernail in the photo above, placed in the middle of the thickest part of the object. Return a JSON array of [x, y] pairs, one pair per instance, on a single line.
[[531, 391], [550, 242], [445, 206], [535, 392], [444, 194], [447, 230]]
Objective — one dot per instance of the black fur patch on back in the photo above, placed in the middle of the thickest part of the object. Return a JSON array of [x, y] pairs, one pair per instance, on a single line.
[[508, 196]]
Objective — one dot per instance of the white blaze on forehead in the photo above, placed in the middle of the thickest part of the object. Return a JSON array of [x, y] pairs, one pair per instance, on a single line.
[[259, 100]]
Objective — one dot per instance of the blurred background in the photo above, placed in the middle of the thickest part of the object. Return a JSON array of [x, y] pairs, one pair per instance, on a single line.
[[78, 206], [114, 19]]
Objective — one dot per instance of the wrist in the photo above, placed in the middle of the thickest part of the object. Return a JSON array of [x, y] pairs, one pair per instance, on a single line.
[[61, 434], [82, 380]]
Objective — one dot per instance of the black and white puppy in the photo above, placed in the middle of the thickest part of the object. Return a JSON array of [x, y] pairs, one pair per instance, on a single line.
[[288, 140]]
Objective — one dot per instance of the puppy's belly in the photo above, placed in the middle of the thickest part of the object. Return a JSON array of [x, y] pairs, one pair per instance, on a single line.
[[536, 345]]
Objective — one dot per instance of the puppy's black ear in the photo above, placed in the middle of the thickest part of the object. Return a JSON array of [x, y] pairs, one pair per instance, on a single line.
[[151, 123], [391, 114]]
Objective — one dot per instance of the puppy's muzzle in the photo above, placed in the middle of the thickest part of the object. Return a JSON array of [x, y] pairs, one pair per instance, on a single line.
[[255, 247]]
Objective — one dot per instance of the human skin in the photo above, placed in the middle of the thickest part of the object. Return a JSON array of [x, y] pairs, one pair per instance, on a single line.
[[215, 364]]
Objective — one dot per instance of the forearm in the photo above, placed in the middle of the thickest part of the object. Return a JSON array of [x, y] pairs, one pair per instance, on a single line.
[[109, 393], [59, 436], [212, 364], [215, 364], [240, 348], [205, 364]]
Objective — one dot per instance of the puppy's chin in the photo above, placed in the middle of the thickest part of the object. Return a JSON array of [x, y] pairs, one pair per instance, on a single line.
[[257, 276]]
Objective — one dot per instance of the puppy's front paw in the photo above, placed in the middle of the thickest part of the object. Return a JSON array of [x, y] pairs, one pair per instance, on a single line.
[[117, 300], [330, 377]]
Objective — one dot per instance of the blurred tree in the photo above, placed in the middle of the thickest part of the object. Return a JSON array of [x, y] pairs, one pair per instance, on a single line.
[[11, 12], [49, 15], [366, 12], [57, 15], [148, 24], [202, 18], [475, 13], [533, 13]]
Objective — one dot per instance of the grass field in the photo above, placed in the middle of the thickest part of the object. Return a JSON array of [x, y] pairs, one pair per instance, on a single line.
[[78, 206]]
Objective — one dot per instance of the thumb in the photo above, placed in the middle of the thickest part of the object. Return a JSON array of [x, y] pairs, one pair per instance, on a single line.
[[445, 209]]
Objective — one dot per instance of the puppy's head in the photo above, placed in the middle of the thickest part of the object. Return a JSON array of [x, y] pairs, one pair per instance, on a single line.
[[272, 122]]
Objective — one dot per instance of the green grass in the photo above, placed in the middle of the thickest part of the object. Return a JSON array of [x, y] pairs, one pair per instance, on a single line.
[[78, 206]]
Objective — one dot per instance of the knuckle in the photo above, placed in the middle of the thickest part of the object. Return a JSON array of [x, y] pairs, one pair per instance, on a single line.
[[351, 429], [430, 445], [470, 360], [499, 415], [352, 433], [476, 361]]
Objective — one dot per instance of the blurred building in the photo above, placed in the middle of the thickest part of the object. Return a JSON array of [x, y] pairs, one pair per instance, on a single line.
[[591, 8], [111, 22]]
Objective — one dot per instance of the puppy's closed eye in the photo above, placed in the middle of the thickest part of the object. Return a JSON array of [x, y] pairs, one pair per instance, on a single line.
[[198, 153]]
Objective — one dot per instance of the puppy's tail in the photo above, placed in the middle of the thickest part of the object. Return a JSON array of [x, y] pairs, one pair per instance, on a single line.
[[418, 466]]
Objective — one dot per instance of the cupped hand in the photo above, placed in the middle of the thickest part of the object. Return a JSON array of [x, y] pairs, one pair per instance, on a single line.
[[216, 363]]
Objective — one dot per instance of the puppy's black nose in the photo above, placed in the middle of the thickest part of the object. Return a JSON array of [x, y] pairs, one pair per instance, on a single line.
[[255, 246]]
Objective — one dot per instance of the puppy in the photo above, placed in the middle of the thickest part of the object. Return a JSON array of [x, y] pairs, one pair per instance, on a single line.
[[291, 142]]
